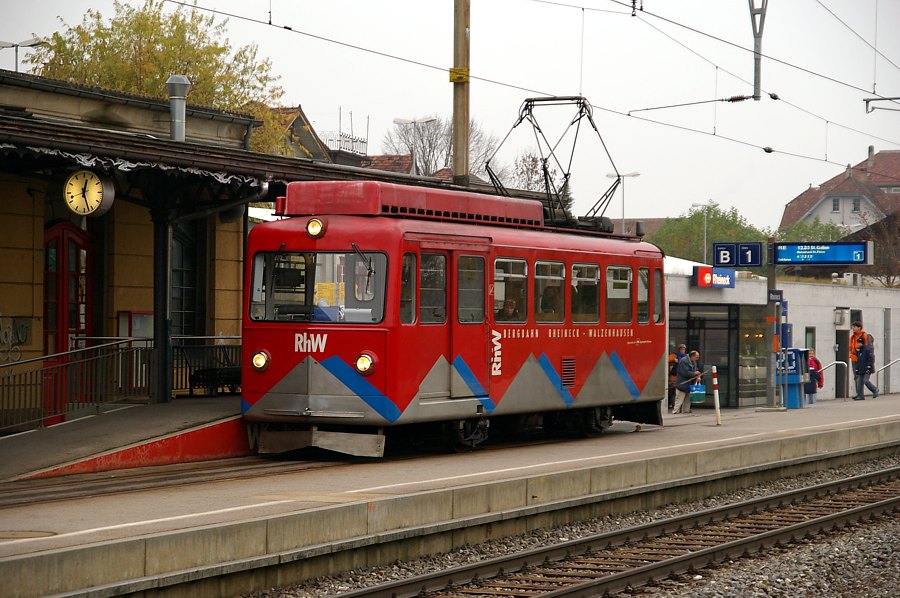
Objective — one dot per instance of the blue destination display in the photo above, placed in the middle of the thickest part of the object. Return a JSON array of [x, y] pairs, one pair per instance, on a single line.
[[824, 254]]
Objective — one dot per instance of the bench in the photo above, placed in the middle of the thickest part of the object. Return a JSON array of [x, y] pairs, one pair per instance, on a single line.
[[211, 368]]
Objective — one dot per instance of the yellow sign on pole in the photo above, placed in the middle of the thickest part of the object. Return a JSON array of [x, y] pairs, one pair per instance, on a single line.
[[459, 75]]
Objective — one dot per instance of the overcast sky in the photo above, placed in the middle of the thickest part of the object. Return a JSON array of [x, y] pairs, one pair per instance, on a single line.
[[365, 62]]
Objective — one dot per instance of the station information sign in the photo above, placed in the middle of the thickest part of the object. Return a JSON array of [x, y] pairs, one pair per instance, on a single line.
[[824, 254]]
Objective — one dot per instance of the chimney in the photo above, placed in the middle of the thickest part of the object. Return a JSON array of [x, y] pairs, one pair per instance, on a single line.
[[870, 163], [178, 87]]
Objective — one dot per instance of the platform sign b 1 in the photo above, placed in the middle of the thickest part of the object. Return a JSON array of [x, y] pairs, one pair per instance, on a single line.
[[737, 255]]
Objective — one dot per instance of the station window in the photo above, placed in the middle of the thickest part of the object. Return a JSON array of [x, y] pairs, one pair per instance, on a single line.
[[510, 289], [643, 295], [585, 301], [856, 204], [470, 289], [618, 294], [835, 204], [408, 289], [549, 291], [433, 284]]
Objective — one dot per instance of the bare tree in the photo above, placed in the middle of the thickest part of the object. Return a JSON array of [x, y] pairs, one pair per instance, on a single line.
[[431, 143]]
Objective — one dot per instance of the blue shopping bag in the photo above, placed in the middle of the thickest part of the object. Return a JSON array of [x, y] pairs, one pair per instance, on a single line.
[[698, 394]]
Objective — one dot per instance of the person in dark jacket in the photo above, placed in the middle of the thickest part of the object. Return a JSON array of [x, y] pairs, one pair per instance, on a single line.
[[864, 365], [685, 375]]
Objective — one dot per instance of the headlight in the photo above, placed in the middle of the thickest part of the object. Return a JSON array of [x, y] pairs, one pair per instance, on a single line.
[[260, 360], [365, 363], [315, 228]]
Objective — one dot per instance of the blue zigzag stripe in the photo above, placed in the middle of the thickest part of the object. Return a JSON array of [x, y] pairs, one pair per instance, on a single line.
[[564, 393], [363, 389], [624, 375], [472, 382]]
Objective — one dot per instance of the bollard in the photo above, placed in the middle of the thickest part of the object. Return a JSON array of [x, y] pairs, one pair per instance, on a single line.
[[715, 383]]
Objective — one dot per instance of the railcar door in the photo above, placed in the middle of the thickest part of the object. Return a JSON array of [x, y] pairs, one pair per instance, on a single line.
[[469, 330], [452, 313]]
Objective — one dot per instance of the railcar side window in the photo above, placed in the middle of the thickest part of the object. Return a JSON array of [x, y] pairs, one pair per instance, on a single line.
[[470, 289], [643, 295], [433, 284], [585, 303], [618, 295], [408, 289], [658, 296], [318, 287], [510, 290], [549, 291]]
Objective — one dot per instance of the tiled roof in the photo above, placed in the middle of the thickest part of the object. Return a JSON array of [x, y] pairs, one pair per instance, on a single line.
[[389, 162], [879, 170]]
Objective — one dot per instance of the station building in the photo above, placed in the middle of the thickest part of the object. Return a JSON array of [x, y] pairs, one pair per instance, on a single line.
[[728, 326]]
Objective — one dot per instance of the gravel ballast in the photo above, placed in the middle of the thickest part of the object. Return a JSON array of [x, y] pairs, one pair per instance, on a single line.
[[861, 561]]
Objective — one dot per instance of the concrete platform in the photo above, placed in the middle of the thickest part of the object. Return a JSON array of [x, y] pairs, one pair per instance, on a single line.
[[131, 435], [350, 511]]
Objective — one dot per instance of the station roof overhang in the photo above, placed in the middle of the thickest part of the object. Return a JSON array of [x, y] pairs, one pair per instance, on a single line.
[[139, 163]]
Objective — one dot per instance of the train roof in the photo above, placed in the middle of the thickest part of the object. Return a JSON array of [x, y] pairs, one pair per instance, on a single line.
[[512, 221], [374, 198]]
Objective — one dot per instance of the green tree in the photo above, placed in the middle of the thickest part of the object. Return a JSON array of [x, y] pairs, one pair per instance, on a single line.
[[803, 231], [683, 236], [136, 51]]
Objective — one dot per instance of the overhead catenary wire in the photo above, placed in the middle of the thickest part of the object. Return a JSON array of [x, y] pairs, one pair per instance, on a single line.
[[533, 91]]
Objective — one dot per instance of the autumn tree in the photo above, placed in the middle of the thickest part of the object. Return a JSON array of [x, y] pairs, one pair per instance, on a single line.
[[139, 48]]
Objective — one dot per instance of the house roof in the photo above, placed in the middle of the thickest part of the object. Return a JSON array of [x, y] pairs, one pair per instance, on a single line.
[[866, 178], [389, 162]]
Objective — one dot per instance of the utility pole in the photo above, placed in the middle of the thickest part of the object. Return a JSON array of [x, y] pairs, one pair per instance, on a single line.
[[758, 21], [459, 76]]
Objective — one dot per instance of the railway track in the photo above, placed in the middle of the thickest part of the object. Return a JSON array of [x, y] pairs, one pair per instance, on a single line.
[[610, 563]]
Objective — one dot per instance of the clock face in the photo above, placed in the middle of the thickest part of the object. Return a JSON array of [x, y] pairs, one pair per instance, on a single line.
[[88, 194]]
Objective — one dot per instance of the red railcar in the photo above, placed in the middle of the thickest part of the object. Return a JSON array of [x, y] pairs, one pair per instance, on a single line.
[[372, 305]]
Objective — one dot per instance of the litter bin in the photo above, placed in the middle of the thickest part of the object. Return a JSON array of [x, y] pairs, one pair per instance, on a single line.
[[793, 372]]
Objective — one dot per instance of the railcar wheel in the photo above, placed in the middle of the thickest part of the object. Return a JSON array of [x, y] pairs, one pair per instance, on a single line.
[[468, 434], [595, 421]]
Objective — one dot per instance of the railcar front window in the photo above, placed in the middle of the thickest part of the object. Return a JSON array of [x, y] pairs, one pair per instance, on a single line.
[[318, 287]]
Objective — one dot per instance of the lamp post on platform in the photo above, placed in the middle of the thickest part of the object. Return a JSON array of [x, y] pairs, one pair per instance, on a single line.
[[28, 43], [415, 122], [616, 175], [705, 207]]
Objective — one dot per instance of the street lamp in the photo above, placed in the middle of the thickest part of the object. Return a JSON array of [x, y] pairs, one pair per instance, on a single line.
[[28, 43], [616, 175], [415, 122], [705, 207]]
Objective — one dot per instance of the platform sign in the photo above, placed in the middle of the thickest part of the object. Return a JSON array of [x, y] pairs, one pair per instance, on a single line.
[[737, 255], [824, 254]]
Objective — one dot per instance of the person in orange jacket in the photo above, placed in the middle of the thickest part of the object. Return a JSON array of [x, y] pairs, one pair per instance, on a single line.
[[862, 358]]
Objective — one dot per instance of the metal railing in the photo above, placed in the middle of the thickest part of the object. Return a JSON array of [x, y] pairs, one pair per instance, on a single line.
[[50, 389], [886, 388]]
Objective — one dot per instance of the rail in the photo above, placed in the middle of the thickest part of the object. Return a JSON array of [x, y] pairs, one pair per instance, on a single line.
[[885, 388], [53, 388]]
